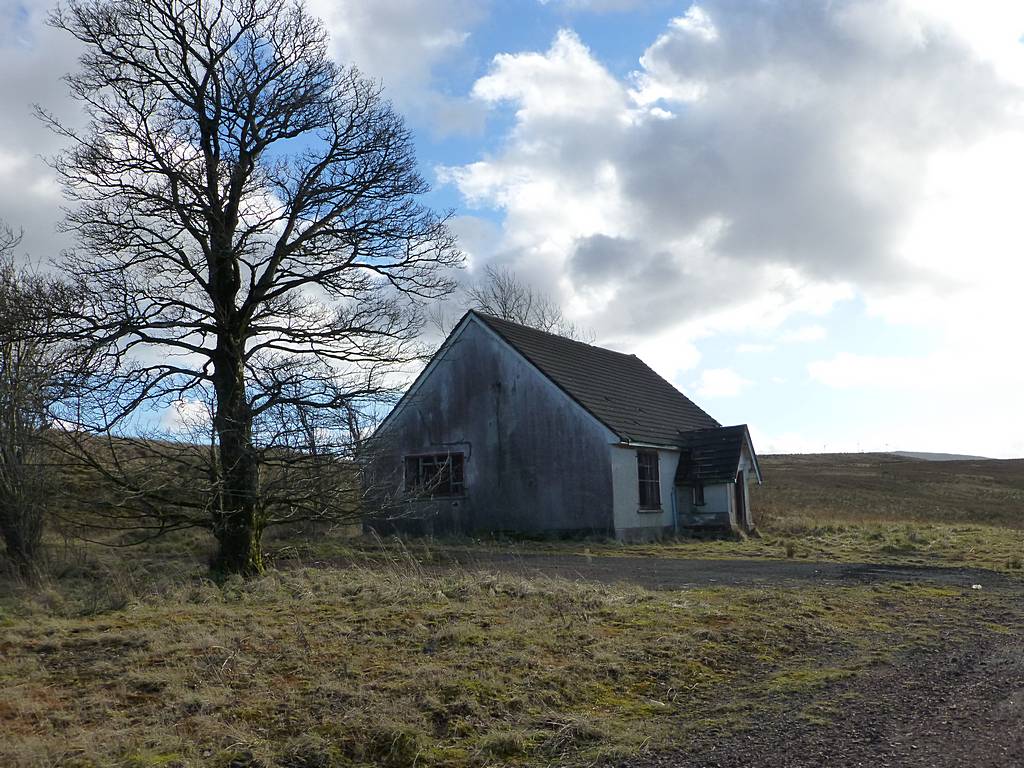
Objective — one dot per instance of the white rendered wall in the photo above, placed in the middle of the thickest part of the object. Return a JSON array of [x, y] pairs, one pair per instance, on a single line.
[[630, 521]]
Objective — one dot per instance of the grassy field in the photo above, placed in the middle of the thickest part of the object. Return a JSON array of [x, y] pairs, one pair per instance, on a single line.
[[855, 508], [134, 658], [883, 508], [868, 487], [389, 666]]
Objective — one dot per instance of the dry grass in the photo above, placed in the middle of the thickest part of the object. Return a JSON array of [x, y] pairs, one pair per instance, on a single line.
[[887, 509], [973, 546], [866, 508], [881, 488], [803, 538], [385, 665], [132, 658]]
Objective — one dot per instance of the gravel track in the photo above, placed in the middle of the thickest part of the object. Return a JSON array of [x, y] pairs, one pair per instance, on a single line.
[[955, 705], [957, 702], [682, 573]]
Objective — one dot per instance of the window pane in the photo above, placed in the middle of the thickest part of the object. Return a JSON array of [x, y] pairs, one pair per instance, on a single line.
[[435, 475], [647, 476], [456, 474]]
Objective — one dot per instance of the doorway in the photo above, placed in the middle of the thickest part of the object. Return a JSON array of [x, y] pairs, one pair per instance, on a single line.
[[742, 520]]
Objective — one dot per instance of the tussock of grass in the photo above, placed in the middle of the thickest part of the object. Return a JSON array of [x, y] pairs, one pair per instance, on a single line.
[[387, 665]]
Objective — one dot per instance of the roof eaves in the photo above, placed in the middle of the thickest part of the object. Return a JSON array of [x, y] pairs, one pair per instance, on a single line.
[[498, 326]]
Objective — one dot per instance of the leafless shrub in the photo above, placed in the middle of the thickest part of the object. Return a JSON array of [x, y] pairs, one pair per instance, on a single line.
[[37, 370]]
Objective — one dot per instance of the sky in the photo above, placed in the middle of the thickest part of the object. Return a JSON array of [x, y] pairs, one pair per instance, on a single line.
[[808, 216]]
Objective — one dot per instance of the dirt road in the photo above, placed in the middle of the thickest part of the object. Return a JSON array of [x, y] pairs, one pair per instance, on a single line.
[[681, 573], [957, 702]]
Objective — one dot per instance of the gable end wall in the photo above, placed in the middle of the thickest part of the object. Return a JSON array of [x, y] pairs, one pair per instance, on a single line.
[[535, 461]]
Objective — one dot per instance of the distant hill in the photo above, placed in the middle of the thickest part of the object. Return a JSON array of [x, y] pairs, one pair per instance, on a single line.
[[926, 456], [837, 487]]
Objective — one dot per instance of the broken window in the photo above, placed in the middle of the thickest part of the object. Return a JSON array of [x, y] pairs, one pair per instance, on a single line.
[[650, 484], [438, 474], [698, 494]]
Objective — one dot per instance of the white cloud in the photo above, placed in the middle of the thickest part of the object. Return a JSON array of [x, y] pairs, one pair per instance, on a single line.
[[33, 58], [404, 43], [721, 382], [849, 371], [191, 418], [804, 333], [959, 397], [697, 23], [763, 163], [795, 169], [750, 348], [566, 81]]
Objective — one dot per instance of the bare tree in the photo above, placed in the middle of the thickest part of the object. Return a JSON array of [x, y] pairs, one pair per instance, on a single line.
[[248, 228], [131, 487], [36, 369], [502, 293]]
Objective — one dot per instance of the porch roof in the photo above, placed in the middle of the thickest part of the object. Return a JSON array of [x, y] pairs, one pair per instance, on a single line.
[[713, 455]]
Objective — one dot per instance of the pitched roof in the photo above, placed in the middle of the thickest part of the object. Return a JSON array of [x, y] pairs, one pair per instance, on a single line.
[[712, 455], [620, 390]]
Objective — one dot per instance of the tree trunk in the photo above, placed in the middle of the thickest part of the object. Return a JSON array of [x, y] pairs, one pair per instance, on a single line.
[[22, 543], [238, 523], [23, 493], [21, 519]]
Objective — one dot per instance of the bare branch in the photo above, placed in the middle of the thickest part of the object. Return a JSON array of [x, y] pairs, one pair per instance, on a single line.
[[247, 214], [503, 294]]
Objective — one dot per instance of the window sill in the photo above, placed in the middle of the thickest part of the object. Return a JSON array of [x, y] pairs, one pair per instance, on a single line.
[[649, 510]]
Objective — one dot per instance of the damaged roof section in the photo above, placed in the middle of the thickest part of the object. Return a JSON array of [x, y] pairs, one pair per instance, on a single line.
[[713, 455], [620, 390]]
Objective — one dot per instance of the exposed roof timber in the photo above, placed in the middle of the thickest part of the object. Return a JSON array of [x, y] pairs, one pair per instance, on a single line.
[[713, 455]]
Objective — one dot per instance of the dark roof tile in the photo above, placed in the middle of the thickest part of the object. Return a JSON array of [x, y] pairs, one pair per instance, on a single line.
[[710, 455], [620, 390]]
